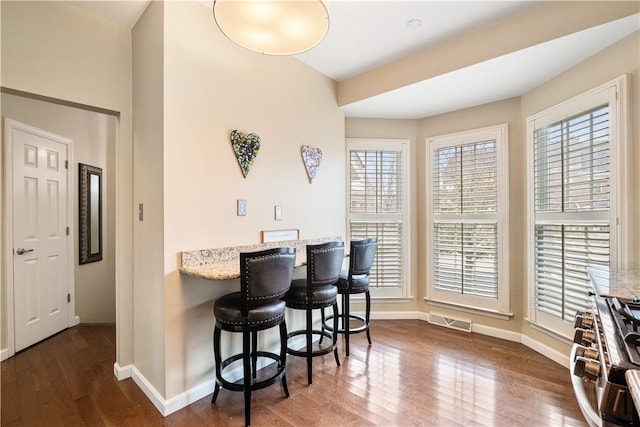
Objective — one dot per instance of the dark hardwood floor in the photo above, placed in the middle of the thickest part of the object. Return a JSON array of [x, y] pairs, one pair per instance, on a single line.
[[413, 374]]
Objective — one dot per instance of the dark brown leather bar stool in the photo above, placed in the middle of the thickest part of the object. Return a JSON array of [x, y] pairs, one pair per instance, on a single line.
[[317, 291], [265, 277], [354, 281]]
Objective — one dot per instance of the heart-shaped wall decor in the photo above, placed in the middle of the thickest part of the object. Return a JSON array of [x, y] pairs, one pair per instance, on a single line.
[[311, 158], [246, 148]]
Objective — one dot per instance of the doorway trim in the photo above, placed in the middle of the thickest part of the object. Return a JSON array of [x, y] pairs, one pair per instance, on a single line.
[[9, 126]]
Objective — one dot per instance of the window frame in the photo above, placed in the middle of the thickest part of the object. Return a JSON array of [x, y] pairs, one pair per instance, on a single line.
[[501, 305], [402, 292], [614, 94]]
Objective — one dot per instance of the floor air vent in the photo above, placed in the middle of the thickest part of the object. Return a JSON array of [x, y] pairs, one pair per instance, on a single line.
[[460, 325]]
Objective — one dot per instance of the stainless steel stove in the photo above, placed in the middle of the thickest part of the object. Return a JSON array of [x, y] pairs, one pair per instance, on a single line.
[[606, 346]]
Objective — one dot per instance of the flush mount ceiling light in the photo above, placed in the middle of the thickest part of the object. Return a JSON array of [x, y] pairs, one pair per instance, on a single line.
[[272, 27]]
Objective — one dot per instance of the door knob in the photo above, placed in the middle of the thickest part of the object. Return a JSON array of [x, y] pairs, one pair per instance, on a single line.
[[21, 251]]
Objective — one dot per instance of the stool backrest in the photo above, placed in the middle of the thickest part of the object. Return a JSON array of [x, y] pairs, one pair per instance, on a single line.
[[361, 256], [265, 276], [324, 262]]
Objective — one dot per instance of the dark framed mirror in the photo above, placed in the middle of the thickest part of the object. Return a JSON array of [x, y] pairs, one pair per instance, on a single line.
[[90, 206]]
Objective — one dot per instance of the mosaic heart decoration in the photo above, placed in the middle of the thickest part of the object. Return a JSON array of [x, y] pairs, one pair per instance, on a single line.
[[311, 158], [246, 148]]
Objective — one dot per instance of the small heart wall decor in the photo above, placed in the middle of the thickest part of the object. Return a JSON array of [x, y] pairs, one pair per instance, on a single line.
[[311, 157], [246, 148]]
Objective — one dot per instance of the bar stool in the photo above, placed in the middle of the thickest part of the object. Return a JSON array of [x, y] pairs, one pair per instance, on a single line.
[[265, 277], [355, 281], [317, 291]]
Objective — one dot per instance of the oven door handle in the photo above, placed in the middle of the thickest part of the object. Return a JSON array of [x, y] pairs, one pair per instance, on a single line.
[[590, 415]]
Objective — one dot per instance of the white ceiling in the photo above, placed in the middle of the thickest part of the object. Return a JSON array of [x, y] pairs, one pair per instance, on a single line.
[[500, 78], [365, 34]]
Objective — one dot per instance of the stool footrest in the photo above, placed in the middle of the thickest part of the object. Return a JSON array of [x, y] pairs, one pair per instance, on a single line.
[[305, 353], [355, 330], [237, 386]]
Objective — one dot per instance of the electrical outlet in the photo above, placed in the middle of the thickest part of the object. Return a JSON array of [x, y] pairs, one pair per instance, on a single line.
[[278, 213], [242, 207]]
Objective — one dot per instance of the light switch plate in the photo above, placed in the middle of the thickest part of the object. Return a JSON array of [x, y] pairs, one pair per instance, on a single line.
[[242, 207], [278, 213]]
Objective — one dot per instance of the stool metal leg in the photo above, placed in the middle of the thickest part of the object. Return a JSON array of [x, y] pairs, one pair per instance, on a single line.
[[254, 354], [335, 332], [345, 321], [218, 361], [283, 356], [248, 379], [309, 347], [367, 313], [322, 328]]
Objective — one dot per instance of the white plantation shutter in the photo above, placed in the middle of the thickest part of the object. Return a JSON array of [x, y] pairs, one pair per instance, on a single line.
[[465, 237], [467, 186], [388, 266], [572, 163], [465, 259], [571, 167], [377, 192], [376, 181], [563, 253]]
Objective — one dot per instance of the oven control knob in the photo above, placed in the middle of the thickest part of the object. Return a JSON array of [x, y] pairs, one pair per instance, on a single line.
[[583, 313], [587, 352], [583, 322], [587, 369], [584, 337]]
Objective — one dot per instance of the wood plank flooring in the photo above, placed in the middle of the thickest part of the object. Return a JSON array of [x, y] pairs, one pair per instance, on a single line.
[[414, 374]]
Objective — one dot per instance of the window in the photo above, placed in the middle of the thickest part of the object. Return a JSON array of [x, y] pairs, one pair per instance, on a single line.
[[467, 191], [377, 207], [572, 182]]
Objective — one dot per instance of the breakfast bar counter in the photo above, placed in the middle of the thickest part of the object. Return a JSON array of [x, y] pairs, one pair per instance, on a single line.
[[224, 263]]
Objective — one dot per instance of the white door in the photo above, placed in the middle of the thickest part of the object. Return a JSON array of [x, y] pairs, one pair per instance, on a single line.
[[41, 275]]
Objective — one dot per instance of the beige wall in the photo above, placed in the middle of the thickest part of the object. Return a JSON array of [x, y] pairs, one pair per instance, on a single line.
[[407, 130], [619, 59], [544, 22], [497, 113], [46, 61], [148, 172], [55, 50], [3, 289], [193, 87], [188, 177], [93, 136]]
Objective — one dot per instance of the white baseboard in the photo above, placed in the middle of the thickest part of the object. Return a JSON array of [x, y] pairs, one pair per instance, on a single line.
[[122, 372], [395, 315], [5, 354], [182, 400], [188, 397], [497, 333], [152, 394], [168, 406], [556, 356], [537, 346], [165, 407]]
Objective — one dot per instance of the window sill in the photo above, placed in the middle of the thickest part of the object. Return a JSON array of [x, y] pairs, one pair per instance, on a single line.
[[469, 309], [548, 331], [382, 299]]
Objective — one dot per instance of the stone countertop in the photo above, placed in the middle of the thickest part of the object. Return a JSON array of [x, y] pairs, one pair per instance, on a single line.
[[224, 263], [623, 284]]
